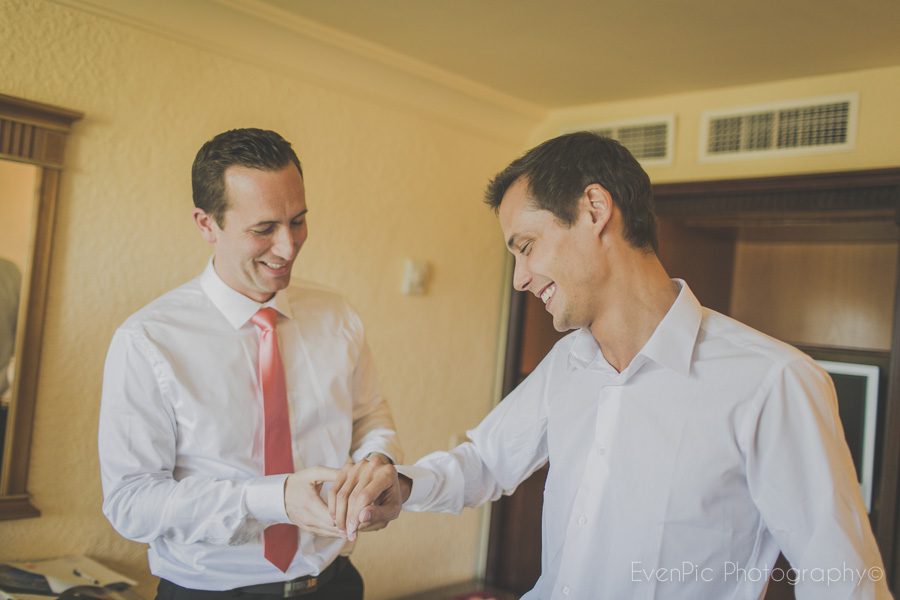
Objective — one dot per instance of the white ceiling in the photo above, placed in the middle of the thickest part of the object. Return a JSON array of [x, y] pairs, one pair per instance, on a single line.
[[557, 53]]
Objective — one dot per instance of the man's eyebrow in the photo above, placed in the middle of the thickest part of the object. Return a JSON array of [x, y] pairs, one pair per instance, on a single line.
[[295, 217], [511, 242]]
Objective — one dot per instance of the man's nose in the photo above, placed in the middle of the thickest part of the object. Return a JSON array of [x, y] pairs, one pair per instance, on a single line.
[[521, 276], [283, 244]]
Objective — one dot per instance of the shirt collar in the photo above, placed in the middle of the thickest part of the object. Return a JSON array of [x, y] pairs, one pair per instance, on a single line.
[[672, 342], [584, 348], [236, 307]]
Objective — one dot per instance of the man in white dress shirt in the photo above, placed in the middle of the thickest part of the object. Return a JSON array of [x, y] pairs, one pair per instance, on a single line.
[[182, 429], [686, 449]]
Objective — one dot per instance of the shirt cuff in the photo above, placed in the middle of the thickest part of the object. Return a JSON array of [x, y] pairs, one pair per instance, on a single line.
[[264, 498], [422, 483]]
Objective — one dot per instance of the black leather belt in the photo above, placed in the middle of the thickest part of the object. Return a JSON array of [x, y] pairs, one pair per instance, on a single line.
[[296, 587]]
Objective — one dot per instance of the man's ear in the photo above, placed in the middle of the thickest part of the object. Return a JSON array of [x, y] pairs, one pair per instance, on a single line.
[[209, 229], [599, 205]]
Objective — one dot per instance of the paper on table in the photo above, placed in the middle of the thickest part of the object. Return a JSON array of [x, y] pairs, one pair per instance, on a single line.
[[70, 571]]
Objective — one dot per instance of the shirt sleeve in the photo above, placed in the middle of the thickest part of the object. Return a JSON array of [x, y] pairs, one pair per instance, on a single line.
[[504, 449], [801, 476], [373, 425], [137, 445]]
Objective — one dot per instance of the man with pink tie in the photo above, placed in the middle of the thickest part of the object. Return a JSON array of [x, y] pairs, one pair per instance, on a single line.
[[231, 400]]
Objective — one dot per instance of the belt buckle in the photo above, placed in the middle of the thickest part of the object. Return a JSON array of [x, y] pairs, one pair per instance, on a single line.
[[296, 588]]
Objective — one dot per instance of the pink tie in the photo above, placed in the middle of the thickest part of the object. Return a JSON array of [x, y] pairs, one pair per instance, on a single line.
[[279, 541]]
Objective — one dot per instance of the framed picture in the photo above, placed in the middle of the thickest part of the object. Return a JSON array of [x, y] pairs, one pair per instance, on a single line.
[[860, 380]]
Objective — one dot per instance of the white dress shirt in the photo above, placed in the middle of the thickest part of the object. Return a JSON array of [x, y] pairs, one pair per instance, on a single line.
[[680, 477], [181, 427]]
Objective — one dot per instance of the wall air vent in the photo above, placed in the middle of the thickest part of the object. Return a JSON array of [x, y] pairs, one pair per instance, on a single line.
[[809, 126], [650, 140]]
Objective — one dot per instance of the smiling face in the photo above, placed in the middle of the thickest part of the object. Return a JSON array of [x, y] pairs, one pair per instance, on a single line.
[[559, 264], [263, 231]]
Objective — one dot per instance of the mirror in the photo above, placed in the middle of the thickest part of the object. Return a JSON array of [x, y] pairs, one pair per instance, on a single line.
[[18, 197], [32, 144]]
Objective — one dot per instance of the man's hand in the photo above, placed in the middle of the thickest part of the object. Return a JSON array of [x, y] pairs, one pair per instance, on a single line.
[[365, 496], [304, 505]]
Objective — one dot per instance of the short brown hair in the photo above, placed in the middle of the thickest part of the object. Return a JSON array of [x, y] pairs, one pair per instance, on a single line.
[[559, 170], [254, 148]]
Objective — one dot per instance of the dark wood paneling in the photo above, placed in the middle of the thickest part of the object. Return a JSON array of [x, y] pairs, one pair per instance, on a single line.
[[514, 547], [17, 507], [863, 181], [704, 259], [514, 554], [45, 116], [514, 334], [887, 530]]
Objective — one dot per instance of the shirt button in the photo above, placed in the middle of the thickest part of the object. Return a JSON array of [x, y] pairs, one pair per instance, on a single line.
[[601, 450], [565, 590], [582, 520]]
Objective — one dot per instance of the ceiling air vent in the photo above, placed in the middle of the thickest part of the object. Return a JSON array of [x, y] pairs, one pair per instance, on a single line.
[[650, 140], [808, 126]]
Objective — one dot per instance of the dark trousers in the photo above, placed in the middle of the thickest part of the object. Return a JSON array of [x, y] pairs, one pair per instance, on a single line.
[[347, 584]]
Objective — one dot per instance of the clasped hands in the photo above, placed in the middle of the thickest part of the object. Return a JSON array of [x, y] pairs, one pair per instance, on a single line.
[[365, 496]]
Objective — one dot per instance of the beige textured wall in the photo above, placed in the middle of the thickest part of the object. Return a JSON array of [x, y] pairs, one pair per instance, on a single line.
[[878, 128], [382, 184], [18, 186]]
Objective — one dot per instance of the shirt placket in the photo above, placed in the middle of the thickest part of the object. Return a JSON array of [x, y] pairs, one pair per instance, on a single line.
[[580, 533]]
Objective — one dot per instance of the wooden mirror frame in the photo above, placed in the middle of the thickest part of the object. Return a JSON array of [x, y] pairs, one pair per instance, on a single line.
[[36, 134]]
